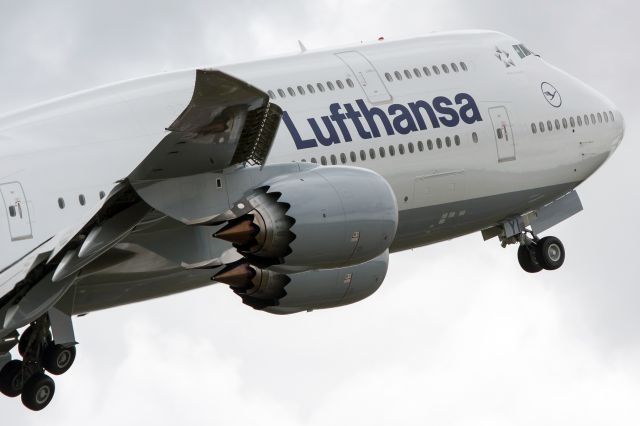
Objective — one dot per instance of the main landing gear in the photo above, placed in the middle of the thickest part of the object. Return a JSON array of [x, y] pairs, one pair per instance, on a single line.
[[39, 353], [535, 254]]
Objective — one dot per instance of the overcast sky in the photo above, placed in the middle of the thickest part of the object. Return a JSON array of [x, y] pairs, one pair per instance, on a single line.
[[457, 335]]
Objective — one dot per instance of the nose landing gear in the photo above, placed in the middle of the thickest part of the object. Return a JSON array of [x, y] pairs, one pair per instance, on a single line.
[[536, 254]]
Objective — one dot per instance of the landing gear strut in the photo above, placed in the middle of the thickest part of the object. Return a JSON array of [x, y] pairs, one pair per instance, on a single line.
[[40, 353], [535, 254]]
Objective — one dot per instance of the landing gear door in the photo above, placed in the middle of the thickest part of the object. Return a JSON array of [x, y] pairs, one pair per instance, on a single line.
[[503, 133], [16, 211], [367, 76]]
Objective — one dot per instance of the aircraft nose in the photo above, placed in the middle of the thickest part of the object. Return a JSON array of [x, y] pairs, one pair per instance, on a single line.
[[619, 129]]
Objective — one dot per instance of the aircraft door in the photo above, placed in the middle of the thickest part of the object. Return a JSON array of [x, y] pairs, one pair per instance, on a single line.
[[16, 211], [367, 76], [503, 133]]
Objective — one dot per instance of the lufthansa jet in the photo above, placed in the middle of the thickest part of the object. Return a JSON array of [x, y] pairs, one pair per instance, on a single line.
[[290, 180]]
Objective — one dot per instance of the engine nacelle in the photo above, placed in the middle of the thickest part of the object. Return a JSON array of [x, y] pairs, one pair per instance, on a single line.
[[319, 289], [326, 217]]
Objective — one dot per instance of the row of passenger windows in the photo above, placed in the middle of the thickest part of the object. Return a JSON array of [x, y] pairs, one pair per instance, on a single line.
[[426, 71], [311, 89], [573, 121], [82, 200], [439, 143]]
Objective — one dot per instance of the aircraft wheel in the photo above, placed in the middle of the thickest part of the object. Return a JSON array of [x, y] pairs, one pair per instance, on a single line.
[[550, 253], [12, 378], [58, 359], [38, 392], [527, 260]]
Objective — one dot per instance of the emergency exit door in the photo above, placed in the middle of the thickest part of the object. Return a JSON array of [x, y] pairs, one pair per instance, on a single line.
[[367, 76], [16, 210], [503, 133]]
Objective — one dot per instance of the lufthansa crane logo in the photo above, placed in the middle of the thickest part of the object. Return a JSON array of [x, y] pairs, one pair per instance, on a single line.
[[551, 94]]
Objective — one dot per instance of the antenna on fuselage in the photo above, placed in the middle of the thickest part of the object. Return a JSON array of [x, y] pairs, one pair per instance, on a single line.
[[302, 47]]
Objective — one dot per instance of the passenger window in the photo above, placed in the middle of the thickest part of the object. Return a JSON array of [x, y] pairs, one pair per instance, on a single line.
[[353, 157], [411, 148], [291, 91], [372, 153], [61, 203], [426, 71], [12, 211], [534, 129], [456, 140], [436, 70], [420, 146], [401, 149], [101, 195], [541, 127], [439, 143], [271, 94], [611, 116], [463, 66], [447, 141], [564, 123], [388, 76], [311, 89], [301, 90], [586, 120], [454, 67], [429, 145], [549, 125], [606, 117], [499, 133], [407, 74], [330, 85], [445, 68], [334, 160], [320, 87], [557, 124], [363, 155], [382, 152], [599, 118], [392, 150], [572, 121], [349, 82], [340, 85], [474, 137], [303, 160], [579, 121], [313, 160], [82, 200], [323, 160], [398, 75], [343, 158], [416, 71], [281, 93], [593, 119]]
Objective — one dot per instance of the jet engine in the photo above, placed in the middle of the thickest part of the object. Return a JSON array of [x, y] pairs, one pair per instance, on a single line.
[[290, 293], [326, 217]]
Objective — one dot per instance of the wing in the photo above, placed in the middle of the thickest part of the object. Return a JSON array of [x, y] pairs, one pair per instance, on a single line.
[[227, 122]]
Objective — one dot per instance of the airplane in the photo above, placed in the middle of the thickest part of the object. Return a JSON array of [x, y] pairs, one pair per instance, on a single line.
[[289, 179]]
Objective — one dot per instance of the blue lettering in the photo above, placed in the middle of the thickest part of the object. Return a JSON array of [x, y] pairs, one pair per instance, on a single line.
[[420, 115]]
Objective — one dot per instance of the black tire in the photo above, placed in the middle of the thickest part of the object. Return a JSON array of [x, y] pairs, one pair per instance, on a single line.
[[527, 259], [550, 253], [38, 392], [12, 378], [59, 359]]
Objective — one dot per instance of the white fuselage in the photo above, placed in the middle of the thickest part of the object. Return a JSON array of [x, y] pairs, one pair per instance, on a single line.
[[56, 158]]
